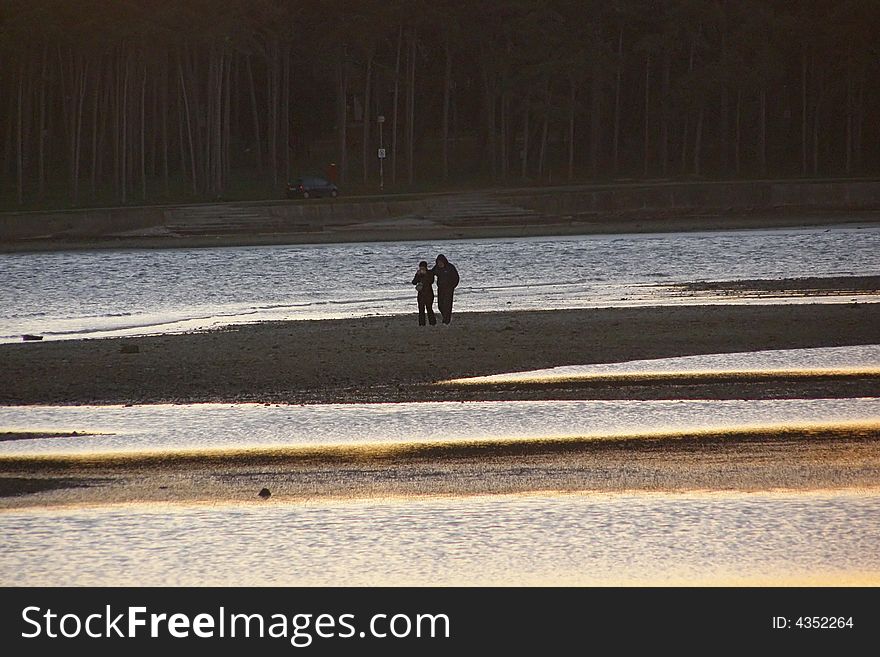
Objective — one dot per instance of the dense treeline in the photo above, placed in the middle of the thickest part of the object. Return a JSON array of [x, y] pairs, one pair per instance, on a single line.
[[143, 100]]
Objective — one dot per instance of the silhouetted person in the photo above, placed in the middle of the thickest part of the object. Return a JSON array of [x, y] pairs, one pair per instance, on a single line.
[[424, 282], [447, 280]]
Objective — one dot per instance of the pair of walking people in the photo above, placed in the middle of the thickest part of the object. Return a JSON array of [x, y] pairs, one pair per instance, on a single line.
[[447, 279]]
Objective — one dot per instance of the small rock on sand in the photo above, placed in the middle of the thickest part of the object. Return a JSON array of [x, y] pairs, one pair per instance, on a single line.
[[265, 493]]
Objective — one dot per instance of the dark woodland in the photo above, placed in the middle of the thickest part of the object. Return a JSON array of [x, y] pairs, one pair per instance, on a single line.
[[125, 101]]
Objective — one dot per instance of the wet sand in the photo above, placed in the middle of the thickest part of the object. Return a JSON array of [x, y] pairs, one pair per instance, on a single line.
[[382, 359], [823, 457], [393, 359], [809, 286]]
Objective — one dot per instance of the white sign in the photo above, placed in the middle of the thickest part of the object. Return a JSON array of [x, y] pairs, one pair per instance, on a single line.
[[380, 119], [381, 153]]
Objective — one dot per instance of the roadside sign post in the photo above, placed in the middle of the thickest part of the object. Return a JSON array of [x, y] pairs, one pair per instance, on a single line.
[[381, 119]]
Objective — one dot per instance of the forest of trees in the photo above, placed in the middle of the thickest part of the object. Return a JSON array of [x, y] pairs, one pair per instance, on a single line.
[[132, 101]]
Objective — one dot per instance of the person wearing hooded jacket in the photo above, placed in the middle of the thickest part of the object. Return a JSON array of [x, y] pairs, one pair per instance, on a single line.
[[447, 280], [424, 282]]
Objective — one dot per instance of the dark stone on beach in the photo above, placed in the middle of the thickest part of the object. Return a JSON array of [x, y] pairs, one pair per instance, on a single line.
[[27, 337], [264, 493], [129, 349]]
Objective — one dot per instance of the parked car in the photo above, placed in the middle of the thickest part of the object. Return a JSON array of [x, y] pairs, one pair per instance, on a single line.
[[311, 187]]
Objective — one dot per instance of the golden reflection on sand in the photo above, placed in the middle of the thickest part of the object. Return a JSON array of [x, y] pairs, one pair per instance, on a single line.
[[465, 500], [656, 376], [430, 448]]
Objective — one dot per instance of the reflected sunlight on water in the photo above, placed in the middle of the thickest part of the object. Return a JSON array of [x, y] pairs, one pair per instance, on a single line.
[[173, 428], [187, 289], [824, 538], [828, 361]]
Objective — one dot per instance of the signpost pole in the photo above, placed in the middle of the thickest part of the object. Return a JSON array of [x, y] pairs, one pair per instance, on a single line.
[[381, 119]]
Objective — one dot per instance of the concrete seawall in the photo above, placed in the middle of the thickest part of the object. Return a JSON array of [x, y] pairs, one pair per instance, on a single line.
[[525, 206]]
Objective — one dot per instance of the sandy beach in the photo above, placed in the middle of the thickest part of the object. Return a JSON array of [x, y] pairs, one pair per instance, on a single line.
[[392, 359], [794, 459]]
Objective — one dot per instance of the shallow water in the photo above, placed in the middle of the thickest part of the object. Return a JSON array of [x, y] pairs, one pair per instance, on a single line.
[[572, 539], [819, 360], [133, 292], [237, 426]]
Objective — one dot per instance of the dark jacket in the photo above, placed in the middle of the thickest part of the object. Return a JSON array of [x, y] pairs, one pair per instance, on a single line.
[[427, 281], [447, 277]]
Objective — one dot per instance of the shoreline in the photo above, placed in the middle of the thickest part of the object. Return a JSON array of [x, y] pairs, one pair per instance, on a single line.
[[402, 232]]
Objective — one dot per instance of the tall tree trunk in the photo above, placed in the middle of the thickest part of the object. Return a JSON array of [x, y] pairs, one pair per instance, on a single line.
[[143, 129], [820, 93], [664, 111], [503, 130], [77, 151], [524, 154], [687, 117], [737, 132], [272, 118], [20, 135], [489, 101], [9, 141], [571, 113], [724, 114], [189, 131], [698, 142], [762, 132], [181, 138], [218, 122], [165, 176], [213, 96], [155, 134], [233, 119], [647, 110], [41, 127], [447, 87], [105, 132], [124, 147], [70, 93], [848, 121], [685, 136], [411, 111], [96, 98], [396, 105], [542, 157], [258, 139], [368, 100], [617, 87], [226, 169], [595, 119], [285, 111], [859, 123], [804, 145], [341, 114], [117, 121]]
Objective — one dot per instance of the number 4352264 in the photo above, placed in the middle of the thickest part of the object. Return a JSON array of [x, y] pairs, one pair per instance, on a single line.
[[823, 622]]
